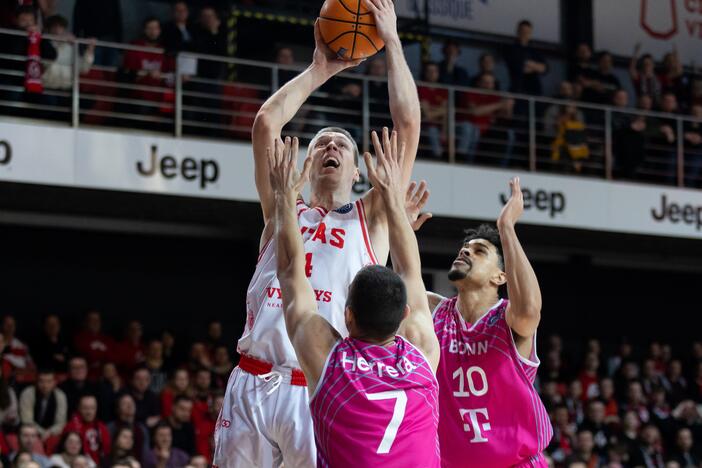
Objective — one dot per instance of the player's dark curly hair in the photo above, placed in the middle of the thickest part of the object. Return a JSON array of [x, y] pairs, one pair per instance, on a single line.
[[490, 234], [377, 298]]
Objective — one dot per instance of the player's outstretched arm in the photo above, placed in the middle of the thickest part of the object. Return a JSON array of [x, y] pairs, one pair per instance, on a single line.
[[282, 106], [524, 310], [311, 336], [418, 327], [404, 102]]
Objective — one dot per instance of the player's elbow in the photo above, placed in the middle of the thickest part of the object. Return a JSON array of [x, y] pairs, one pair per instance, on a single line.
[[264, 123], [410, 120]]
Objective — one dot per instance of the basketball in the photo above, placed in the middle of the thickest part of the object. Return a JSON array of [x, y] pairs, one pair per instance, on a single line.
[[348, 28]]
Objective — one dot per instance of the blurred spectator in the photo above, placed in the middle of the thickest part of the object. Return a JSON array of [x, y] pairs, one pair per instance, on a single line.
[[661, 414], [9, 416], [650, 378], [643, 75], [283, 56], [91, 343], [123, 447], [147, 404], [675, 383], [684, 450], [93, 432], [131, 350], [199, 461], [621, 101], [611, 407], [479, 113], [103, 21], [574, 401], [582, 72], [449, 72], [214, 336], [378, 90], [203, 396], [628, 147], [571, 144], [68, 450], [109, 386], [692, 131], [156, 365], [58, 74], [163, 454], [178, 386], [629, 434], [77, 384], [181, 428], [553, 111], [51, 350], [15, 354], [636, 401], [649, 453], [24, 19], [594, 422], [604, 82], [584, 451], [673, 78], [205, 427], [211, 39], [222, 367], [434, 104], [486, 64], [589, 376], [44, 405], [525, 63], [170, 352], [199, 357], [561, 445], [126, 419], [29, 442], [178, 34]]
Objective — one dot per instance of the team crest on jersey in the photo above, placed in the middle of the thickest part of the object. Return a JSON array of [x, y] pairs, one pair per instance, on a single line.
[[344, 209], [492, 320]]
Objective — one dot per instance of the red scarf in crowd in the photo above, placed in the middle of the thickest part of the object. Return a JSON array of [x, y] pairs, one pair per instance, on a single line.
[[32, 76]]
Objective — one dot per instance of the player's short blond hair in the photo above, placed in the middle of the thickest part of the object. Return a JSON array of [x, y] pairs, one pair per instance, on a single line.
[[343, 132]]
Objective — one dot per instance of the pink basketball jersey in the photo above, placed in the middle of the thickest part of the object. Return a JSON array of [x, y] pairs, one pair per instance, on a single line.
[[376, 406], [337, 245], [490, 413]]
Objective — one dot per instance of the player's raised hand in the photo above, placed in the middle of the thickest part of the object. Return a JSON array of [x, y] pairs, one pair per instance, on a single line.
[[514, 207], [386, 175], [385, 18], [415, 199], [326, 59], [282, 163]]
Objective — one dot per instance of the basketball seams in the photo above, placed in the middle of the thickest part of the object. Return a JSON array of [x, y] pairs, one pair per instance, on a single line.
[[355, 29], [339, 20]]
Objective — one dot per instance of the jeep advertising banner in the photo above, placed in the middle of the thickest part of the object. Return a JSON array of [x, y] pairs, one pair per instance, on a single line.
[[658, 25], [488, 16], [201, 168]]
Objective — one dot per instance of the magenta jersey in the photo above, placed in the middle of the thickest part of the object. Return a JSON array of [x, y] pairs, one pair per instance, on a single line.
[[490, 413], [376, 406]]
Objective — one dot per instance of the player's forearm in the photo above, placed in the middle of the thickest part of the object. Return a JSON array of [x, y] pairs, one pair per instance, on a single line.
[[522, 284], [282, 106], [289, 253], [403, 243], [404, 101]]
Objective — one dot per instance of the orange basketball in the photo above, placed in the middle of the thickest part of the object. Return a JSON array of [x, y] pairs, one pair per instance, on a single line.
[[348, 28]]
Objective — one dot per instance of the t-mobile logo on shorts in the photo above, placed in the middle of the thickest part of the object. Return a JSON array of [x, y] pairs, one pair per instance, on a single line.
[[474, 424], [5, 153]]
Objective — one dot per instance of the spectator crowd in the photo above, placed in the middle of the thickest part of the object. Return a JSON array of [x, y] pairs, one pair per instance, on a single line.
[[92, 400]]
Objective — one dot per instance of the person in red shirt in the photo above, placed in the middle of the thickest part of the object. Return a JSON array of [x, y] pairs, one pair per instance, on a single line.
[[434, 104], [203, 394], [476, 113], [94, 433], [91, 343], [589, 378], [179, 385], [205, 426], [131, 350]]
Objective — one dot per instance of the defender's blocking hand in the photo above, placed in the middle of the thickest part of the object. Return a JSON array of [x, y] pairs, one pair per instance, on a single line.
[[282, 163]]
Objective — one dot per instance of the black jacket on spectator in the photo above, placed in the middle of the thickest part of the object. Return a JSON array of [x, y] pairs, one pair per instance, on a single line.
[[211, 44], [44, 353], [458, 76], [100, 19], [519, 82], [17, 45], [175, 40], [74, 391], [184, 438], [146, 406]]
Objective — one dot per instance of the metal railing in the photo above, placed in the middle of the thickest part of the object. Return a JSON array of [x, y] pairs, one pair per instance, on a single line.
[[189, 95]]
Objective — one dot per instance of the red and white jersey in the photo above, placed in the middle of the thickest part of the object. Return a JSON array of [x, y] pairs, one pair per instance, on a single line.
[[337, 245]]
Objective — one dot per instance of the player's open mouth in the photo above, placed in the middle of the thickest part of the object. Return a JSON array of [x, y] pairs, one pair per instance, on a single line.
[[331, 162], [463, 261]]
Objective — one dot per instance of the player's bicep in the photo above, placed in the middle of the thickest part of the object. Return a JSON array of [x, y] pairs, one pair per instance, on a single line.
[[262, 137], [312, 341], [419, 330], [524, 325]]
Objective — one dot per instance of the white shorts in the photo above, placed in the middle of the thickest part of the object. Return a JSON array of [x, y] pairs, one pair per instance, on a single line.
[[265, 422]]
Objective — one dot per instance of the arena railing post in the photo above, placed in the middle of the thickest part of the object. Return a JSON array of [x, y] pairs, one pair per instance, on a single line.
[[179, 99], [608, 145], [75, 97], [680, 152], [366, 116], [532, 134], [452, 125]]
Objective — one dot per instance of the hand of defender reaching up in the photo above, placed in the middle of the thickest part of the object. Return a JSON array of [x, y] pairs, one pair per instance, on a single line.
[[282, 163], [386, 176], [514, 207], [415, 199]]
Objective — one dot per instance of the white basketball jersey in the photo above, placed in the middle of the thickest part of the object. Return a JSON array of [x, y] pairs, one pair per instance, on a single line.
[[337, 246]]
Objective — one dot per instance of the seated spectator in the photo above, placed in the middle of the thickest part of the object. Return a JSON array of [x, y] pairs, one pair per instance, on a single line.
[[203, 393], [69, 449], [125, 417], [58, 74], [211, 39], [449, 72], [582, 72], [584, 450], [29, 443], [684, 453], [170, 351], [178, 386], [51, 350], [77, 384], [156, 365], [131, 349], [486, 64], [96, 347], [178, 34], [24, 460], [181, 428], [378, 90], [650, 451], [595, 423], [642, 72], [589, 376], [163, 454], [283, 56], [553, 112], [571, 144], [434, 105], [478, 113], [93, 432], [9, 416], [636, 401], [109, 387], [605, 82], [609, 401], [222, 367], [123, 447], [205, 427], [525, 63], [147, 404], [44, 405], [650, 378], [103, 21], [573, 400], [199, 357], [673, 78], [15, 354]]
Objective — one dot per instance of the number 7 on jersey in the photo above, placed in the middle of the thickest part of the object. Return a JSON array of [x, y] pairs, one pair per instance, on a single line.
[[398, 414]]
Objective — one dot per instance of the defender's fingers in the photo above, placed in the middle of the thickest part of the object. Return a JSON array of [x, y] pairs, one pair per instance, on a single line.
[[409, 195], [370, 165], [306, 167], [377, 146], [294, 149]]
